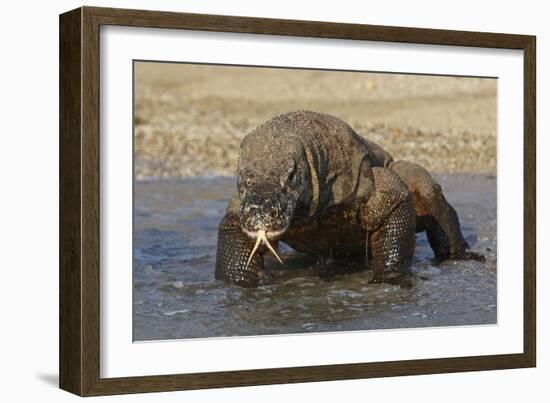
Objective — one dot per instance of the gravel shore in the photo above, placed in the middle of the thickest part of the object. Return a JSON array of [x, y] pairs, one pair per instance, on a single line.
[[190, 119]]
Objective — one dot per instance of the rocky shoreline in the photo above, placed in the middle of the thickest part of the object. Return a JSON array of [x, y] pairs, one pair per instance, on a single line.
[[190, 120]]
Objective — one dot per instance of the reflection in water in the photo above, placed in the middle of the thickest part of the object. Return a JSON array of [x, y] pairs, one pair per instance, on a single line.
[[176, 295]]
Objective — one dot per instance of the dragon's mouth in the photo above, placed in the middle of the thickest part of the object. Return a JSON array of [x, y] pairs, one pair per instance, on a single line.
[[261, 238], [270, 234]]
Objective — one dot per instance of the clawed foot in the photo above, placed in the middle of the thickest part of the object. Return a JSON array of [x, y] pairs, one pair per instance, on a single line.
[[401, 279], [245, 279], [474, 256], [466, 255]]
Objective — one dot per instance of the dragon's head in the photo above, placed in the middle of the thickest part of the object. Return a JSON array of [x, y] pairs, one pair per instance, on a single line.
[[272, 176]]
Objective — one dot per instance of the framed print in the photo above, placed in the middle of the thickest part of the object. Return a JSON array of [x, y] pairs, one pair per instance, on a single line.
[[249, 201]]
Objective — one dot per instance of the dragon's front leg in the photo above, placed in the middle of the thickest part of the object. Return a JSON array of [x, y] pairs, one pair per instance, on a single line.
[[389, 218], [234, 249], [393, 247]]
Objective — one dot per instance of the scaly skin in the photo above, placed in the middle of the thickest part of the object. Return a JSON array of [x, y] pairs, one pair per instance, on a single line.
[[234, 247], [309, 180], [389, 216]]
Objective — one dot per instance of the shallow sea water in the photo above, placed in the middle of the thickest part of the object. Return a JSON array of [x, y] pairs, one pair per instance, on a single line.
[[176, 296]]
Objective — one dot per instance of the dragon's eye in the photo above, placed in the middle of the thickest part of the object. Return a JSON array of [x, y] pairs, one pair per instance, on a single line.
[[243, 180], [292, 176]]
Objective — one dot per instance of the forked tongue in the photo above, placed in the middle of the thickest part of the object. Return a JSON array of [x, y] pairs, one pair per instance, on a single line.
[[256, 245], [262, 238]]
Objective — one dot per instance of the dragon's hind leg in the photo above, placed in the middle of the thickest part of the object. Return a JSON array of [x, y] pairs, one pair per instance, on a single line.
[[434, 213], [389, 219]]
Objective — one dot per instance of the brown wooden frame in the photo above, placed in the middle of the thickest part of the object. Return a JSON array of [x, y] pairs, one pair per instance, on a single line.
[[79, 200]]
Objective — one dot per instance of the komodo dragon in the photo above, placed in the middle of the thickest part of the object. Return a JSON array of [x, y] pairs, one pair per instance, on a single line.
[[309, 180]]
